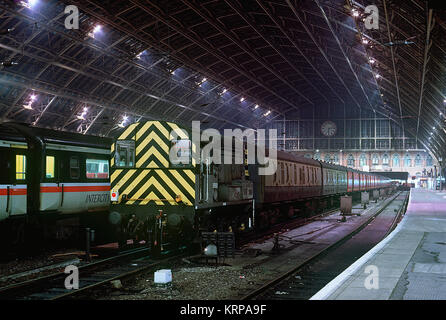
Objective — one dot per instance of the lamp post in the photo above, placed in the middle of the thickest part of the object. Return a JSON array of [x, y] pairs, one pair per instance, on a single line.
[[440, 160]]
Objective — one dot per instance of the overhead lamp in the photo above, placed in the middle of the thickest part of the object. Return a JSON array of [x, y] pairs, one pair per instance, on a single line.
[[267, 113], [83, 114], [138, 56], [377, 76], [96, 29], [28, 3], [8, 64], [28, 105], [242, 99], [372, 61], [365, 41], [355, 13], [444, 100], [256, 106], [6, 31]]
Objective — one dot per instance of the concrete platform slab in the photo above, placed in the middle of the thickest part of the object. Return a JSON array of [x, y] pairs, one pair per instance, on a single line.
[[411, 261]]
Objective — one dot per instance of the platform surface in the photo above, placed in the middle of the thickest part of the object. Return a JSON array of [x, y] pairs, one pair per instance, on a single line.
[[409, 264]]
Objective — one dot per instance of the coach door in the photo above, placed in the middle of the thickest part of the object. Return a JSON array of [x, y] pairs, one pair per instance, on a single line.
[[5, 182], [14, 193]]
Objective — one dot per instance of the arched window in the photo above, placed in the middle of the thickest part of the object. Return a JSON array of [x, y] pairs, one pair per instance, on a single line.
[[336, 159], [350, 160], [429, 161], [418, 160], [363, 160], [317, 156], [386, 159], [308, 155], [396, 160], [327, 157], [375, 159], [407, 161]]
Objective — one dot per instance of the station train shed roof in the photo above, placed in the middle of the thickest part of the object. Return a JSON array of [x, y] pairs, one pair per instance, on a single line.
[[225, 63]]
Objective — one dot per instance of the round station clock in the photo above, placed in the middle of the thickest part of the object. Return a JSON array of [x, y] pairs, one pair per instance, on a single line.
[[328, 128]]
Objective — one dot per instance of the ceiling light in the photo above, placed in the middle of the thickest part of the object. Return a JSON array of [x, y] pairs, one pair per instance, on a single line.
[[256, 106], [7, 64], [365, 41], [242, 99], [28, 105], [377, 76], [97, 28], [28, 3], [372, 61], [267, 113], [355, 13], [94, 31], [6, 31]]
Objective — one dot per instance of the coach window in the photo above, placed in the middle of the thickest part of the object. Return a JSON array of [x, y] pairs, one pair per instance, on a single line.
[[125, 153], [97, 169], [74, 168], [20, 167], [49, 168]]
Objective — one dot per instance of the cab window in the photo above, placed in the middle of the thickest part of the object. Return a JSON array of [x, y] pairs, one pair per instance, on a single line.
[[180, 153], [49, 167], [20, 167], [97, 169], [125, 153]]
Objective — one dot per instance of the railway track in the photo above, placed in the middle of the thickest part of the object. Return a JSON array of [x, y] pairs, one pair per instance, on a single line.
[[91, 275], [304, 280], [286, 225]]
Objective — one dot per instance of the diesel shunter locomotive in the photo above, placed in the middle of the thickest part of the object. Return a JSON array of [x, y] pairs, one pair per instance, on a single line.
[[170, 202]]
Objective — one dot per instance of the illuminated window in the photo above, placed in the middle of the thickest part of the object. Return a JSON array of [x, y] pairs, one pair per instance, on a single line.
[[407, 161], [350, 160], [74, 168], [375, 159], [20, 167], [429, 161], [97, 169], [417, 160], [49, 173], [396, 160], [386, 159], [336, 159], [362, 160]]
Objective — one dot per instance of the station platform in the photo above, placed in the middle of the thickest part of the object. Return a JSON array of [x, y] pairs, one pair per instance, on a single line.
[[410, 262]]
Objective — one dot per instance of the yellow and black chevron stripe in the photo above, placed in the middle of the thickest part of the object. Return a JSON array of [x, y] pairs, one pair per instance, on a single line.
[[161, 186], [152, 142]]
